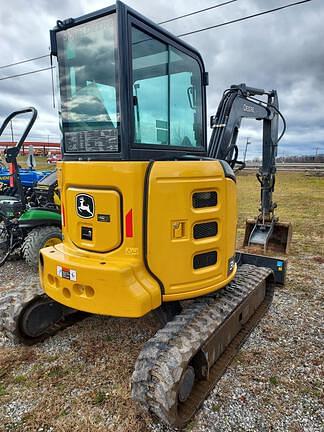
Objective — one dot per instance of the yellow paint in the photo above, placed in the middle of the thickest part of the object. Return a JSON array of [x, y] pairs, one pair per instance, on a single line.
[[52, 241], [172, 217], [111, 275], [57, 199]]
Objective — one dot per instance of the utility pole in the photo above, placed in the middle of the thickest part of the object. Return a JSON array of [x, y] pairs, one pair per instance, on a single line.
[[246, 146]]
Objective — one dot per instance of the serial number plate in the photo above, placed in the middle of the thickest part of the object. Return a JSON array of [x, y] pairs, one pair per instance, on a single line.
[[66, 273]]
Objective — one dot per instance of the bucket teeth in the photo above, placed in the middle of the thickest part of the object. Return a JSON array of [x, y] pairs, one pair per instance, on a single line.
[[275, 236]]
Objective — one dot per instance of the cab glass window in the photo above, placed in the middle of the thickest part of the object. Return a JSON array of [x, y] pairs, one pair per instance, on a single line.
[[88, 84], [185, 100], [167, 94]]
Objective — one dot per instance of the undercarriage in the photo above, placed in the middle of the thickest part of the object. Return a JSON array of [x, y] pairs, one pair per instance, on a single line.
[[181, 363]]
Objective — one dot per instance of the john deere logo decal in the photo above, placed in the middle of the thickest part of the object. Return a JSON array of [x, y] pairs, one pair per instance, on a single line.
[[85, 206]]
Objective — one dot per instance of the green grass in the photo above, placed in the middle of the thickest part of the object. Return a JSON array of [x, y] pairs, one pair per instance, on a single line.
[[20, 379], [41, 163], [57, 372], [2, 390], [273, 380], [300, 200], [99, 398], [216, 407]]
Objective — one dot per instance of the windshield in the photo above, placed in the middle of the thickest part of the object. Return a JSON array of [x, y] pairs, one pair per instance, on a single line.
[[88, 85]]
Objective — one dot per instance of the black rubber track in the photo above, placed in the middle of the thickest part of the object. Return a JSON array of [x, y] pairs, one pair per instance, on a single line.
[[165, 357]]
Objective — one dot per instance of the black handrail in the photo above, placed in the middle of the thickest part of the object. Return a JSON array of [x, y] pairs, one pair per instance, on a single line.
[[12, 152], [28, 127]]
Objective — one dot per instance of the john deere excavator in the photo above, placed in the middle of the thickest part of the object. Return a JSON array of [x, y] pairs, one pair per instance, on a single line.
[[149, 209]]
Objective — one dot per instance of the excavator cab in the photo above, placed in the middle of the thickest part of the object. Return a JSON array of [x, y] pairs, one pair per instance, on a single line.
[[129, 90]]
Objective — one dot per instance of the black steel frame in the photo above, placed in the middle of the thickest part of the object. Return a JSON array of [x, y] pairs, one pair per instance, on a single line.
[[277, 265], [126, 18]]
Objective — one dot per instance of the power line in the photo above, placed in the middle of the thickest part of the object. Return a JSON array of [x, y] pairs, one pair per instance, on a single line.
[[198, 11], [24, 61], [27, 73], [163, 22], [245, 18]]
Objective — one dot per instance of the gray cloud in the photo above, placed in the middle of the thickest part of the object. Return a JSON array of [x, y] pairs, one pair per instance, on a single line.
[[283, 50]]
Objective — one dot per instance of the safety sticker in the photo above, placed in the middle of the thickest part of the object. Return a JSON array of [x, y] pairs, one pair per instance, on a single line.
[[66, 273], [279, 265]]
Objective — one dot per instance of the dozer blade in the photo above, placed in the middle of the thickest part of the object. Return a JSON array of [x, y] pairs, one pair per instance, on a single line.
[[179, 366], [273, 236]]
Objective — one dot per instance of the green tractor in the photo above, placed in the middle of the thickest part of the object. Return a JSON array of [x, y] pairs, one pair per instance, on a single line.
[[30, 220]]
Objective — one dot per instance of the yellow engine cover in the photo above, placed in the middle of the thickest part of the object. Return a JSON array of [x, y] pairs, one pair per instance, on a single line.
[[182, 232], [140, 233]]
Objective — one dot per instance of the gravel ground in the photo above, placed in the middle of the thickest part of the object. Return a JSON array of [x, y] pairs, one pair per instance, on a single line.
[[78, 380]]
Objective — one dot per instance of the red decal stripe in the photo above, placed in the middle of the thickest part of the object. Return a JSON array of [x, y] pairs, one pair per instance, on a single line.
[[11, 172], [129, 224]]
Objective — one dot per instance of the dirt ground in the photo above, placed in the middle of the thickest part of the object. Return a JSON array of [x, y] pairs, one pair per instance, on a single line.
[[79, 379]]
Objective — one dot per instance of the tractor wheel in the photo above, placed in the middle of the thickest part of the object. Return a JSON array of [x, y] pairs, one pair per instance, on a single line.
[[37, 239]]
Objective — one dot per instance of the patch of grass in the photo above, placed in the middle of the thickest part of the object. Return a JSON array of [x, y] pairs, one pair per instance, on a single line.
[[300, 201], [20, 379], [3, 372], [99, 398], [52, 358], [2, 390], [57, 372], [216, 407], [274, 380], [64, 412], [41, 163], [191, 425], [312, 391]]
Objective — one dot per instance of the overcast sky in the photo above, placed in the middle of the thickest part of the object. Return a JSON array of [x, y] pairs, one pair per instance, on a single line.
[[283, 50]]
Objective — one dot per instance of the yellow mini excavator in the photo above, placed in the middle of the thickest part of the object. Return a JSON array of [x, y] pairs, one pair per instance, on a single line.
[[149, 210]]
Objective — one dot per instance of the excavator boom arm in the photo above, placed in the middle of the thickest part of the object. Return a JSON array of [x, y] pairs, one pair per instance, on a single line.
[[237, 103]]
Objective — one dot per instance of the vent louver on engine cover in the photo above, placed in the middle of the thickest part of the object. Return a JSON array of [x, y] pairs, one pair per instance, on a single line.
[[205, 259], [205, 229], [204, 199]]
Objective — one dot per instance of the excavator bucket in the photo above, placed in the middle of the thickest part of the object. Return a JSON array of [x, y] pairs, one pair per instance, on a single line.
[[273, 236]]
